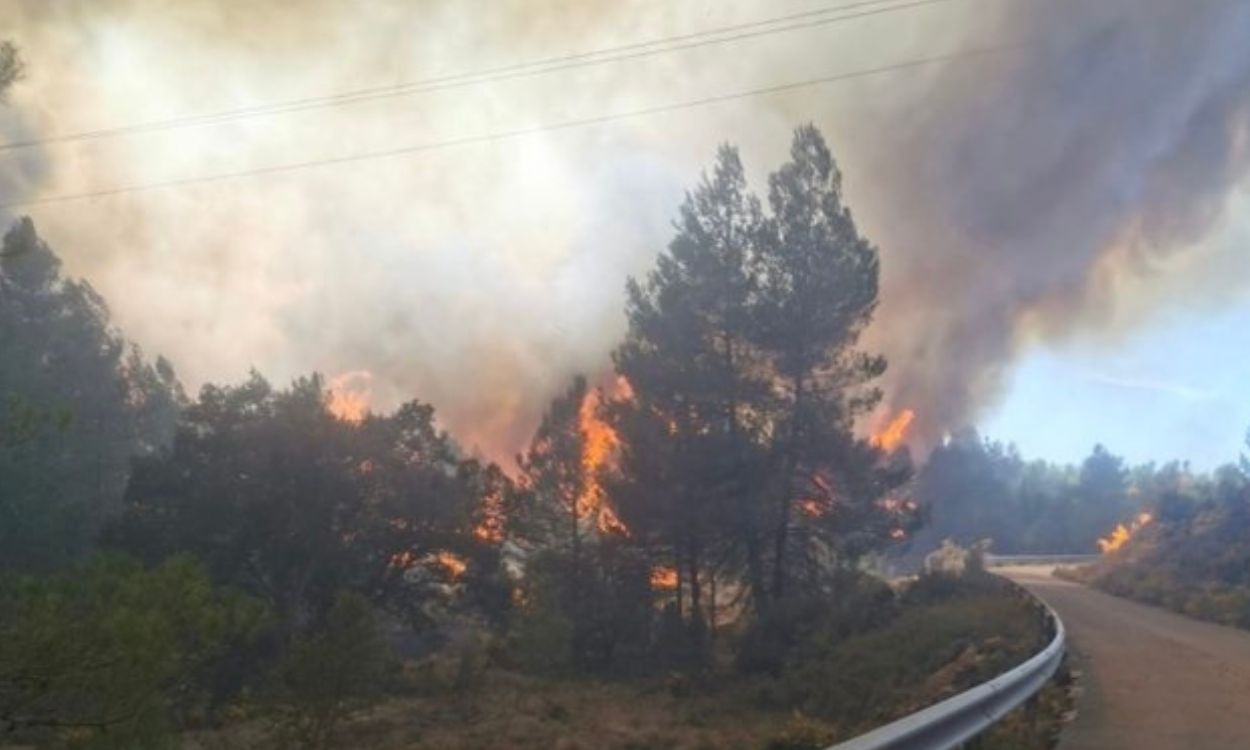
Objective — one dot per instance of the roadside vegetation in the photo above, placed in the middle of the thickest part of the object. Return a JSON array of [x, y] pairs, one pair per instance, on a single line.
[[1190, 553], [879, 656]]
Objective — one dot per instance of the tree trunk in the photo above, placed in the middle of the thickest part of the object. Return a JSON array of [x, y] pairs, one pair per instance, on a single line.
[[789, 464]]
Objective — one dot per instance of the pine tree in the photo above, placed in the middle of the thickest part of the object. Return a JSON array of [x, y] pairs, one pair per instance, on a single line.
[[692, 429], [818, 289], [77, 403]]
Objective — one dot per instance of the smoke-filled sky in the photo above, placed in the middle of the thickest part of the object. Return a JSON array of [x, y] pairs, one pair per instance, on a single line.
[[1060, 220]]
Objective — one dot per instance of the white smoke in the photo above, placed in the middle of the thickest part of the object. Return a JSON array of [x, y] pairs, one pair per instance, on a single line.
[[1011, 196]]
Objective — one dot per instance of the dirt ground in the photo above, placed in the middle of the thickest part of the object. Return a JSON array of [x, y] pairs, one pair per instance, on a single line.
[[1150, 679]]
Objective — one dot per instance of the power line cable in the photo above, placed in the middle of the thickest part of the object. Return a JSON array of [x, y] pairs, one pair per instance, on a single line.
[[520, 132], [780, 24]]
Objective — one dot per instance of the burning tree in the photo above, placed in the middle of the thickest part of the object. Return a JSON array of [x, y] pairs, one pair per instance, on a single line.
[[818, 283], [692, 434], [562, 472], [738, 457], [582, 574], [282, 498]]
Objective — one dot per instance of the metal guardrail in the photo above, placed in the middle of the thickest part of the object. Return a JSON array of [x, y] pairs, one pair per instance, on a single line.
[[992, 561], [958, 719]]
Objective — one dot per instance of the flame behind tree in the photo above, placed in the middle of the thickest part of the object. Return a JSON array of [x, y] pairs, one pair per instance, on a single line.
[[894, 433], [663, 578], [1122, 535], [600, 444], [562, 472], [742, 351], [348, 395], [492, 518]]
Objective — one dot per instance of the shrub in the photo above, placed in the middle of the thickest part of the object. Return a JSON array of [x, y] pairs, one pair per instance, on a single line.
[[109, 655], [860, 603], [591, 617], [328, 672], [948, 635]]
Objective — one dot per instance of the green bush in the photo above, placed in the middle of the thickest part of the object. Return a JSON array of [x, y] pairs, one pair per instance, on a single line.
[[592, 616], [949, 634], [1194, 558], [336, 668], [860, 604], [110, 654]]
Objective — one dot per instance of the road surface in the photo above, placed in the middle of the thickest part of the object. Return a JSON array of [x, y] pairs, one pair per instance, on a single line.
[[1150, 679]]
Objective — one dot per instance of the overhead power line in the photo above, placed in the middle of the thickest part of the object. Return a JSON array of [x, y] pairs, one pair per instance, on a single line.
[[665, 45], [520, 132]]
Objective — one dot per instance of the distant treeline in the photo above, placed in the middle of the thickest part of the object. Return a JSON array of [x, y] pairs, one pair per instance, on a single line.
[[1192, 553], [973, 488]]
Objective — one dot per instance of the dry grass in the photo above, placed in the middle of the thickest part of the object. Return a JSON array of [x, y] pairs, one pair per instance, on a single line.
[[510, 710]]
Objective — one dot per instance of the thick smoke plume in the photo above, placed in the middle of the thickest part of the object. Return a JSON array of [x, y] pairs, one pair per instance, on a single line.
[[1016, 198], [1028, 191]]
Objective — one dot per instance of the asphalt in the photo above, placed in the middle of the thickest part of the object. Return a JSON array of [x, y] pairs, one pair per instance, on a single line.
[[1147, 679]]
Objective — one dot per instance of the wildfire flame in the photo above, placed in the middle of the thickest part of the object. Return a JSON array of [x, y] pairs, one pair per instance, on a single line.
[[453, 564], [349, 395], [812, 508], [599, 450], [1121, 534], [820, 498], [490, 526], [403, 560], [894, 432], [664, 578]]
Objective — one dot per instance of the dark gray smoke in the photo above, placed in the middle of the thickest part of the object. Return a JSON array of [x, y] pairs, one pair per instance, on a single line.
[[1025, 189]]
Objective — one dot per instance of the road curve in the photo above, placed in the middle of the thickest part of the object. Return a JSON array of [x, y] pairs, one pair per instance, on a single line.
[[1150, 679]]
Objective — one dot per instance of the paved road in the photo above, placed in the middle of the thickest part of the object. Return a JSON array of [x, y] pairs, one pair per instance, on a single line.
[[1151, 679]]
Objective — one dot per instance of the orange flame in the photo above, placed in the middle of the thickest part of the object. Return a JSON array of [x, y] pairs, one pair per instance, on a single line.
[[1121, 534], [812, 508], [403, 560], [895, 431], [821, 498], [349, 395], [453, 564], [490, 526], [600, 445], [663, 578]]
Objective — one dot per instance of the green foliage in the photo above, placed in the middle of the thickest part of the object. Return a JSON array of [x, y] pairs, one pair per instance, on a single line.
[[738, 458], [948, 635], [975, 489], [542, 631], [598, 619], [283, 500], [328, 672], [11, 67], [1194, 557], [108, 654], [858, 604], [77, 402]]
